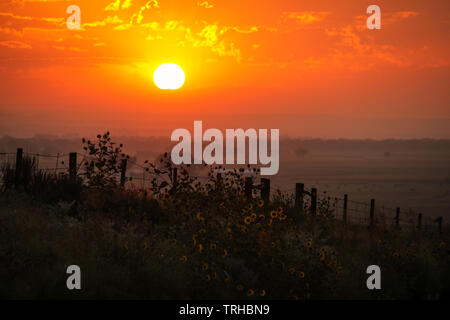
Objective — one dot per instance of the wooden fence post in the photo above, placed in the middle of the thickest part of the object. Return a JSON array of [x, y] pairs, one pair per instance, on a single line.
[[372, 213], [57, 162], [219, 181], [397, 218], [175, 179], [123, 172], [265, 189], [439, 222], [299, 189], [18, 172], [73, 166], [313, 201], [419, 222], [344, 215], [248, 188]]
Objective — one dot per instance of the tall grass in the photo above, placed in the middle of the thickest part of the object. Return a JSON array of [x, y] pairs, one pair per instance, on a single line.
[[188, 239]]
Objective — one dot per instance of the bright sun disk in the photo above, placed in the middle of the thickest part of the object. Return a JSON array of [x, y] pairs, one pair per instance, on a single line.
[[169, 76]]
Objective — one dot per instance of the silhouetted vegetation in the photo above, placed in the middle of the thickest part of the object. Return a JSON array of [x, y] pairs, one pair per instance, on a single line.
[[185, 238]]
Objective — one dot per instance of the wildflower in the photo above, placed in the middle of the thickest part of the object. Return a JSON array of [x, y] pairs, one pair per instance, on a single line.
[[253, 216], [260, 203], [225, 253], [282, 217], [125, 246], [262, 217], [239, 287], [183, 259], [208, 277], [262, 293], [273, 244], [205, 266], [212, 246], [200, 248], [199, 217], [250, 292], [291, 270], [247, 220], [273, 214], [280, 209]]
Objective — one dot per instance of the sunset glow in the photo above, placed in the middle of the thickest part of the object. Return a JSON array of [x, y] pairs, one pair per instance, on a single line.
[[310, 68]]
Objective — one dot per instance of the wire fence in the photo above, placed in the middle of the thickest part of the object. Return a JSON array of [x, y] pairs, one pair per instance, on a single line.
[[355, 212]]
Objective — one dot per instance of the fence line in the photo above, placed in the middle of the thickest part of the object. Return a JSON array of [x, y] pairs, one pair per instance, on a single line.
[[344, 208]]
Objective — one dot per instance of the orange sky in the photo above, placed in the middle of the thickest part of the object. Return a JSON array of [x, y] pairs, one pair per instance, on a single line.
[[309, 68]]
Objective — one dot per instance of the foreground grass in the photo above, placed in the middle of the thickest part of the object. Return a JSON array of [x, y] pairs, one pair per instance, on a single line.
[[185, 239], [194, 246]]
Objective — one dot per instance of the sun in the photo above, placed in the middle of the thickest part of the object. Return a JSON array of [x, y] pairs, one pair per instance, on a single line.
[[169, 76]]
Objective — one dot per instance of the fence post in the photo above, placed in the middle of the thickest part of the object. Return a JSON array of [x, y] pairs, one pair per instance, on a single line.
[[57, 162], [248, 188], [419, 222], [265, 189], [123, 172], [19, 158], [397, 218], [313, 201], [219, 181], [175, 179], [72, 166], [372, 212], [344, 215], [299, 189], [439, 222]]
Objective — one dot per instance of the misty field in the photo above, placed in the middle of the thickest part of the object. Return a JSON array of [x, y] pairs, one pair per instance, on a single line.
[[189, 238]]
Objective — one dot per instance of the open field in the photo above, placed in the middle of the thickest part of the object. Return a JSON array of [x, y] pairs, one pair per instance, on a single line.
[[192, 238]]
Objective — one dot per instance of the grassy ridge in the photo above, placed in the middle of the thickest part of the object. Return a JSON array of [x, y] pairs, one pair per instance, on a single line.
[[196, 240]]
